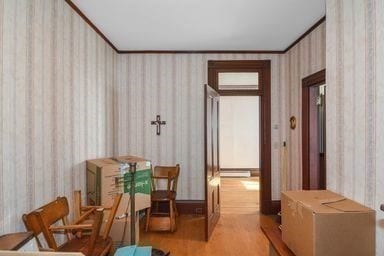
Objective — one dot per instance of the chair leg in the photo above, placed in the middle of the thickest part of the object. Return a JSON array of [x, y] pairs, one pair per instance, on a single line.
[[148, 219], [157, 207], [172, 217], [175, 208]]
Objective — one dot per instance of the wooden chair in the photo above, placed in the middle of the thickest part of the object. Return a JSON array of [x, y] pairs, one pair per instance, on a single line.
[[163, 221], [42, 220], [80, 210]]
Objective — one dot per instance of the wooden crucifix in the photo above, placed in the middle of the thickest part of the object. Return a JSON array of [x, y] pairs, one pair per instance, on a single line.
[[158, 124]]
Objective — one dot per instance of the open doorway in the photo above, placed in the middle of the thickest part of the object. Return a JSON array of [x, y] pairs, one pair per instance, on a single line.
[[314, 161], [239, 154], [236, 78]]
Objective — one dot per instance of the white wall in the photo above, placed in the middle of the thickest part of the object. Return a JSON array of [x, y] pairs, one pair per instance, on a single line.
[[239, 132]]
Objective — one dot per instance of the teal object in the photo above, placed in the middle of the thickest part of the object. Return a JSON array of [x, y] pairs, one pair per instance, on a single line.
[[143, 251], [126, 251], [142, 182], [134, 250]]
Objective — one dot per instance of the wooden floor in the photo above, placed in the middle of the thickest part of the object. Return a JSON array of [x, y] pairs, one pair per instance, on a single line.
[[237, 233], [240, 195]]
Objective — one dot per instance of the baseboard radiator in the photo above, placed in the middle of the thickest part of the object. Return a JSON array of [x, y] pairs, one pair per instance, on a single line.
[[238, 172]]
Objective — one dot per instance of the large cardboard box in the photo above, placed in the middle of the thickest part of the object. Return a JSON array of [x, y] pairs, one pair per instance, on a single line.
[[104, 180], [323, 223], [121, 232]]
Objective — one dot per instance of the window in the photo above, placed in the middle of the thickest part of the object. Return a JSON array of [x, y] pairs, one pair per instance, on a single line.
[[238, 80]]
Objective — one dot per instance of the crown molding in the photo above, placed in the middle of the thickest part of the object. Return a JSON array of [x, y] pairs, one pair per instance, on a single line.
[[318, 23], [97, 30], [89, 22], [201, 52]]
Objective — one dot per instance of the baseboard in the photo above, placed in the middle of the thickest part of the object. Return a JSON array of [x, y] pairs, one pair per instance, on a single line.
[[271, 207], [198, 207], [190, 206], [255, 172]]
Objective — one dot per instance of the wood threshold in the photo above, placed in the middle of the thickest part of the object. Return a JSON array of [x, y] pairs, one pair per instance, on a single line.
[[118, 51]]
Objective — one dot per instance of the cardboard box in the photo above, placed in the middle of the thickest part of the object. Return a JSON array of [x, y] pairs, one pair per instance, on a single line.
[[323, 223], [121, 232], [104, 180]]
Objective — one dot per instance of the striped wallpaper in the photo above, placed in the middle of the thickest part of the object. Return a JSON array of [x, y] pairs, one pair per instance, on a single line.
[[56, 107], [66, 96], [172, 85], [355, 101], [304, 59]]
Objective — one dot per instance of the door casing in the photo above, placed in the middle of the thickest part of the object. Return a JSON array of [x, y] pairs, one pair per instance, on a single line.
[[308, 82], [267, 205]]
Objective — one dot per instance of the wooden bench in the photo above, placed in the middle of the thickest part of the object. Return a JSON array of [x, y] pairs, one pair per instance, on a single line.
[[271, 230]]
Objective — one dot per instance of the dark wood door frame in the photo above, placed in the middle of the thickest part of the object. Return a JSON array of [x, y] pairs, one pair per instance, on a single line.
[[267, 205], [313, 80]]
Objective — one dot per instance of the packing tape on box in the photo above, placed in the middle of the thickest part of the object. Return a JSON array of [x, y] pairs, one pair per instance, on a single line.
[[332, 200]]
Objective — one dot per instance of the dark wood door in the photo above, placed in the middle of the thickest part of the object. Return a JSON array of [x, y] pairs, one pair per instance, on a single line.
[[314, 162], [212, 166]]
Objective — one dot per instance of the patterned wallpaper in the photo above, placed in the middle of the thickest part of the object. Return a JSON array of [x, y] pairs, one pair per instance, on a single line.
[[355, 101], [304, 59], [66, 96], [172, 85], [56, 105]]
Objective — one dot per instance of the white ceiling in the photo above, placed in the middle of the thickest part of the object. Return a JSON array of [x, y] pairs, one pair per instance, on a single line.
[[202, 24]]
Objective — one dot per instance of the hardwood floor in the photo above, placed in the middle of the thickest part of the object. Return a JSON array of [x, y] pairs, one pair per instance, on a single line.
[[234, 235], [240, 195], [237, 233]]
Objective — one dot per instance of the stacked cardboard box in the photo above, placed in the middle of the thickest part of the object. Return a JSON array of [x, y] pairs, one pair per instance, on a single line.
[[323, 223], [105, 179]]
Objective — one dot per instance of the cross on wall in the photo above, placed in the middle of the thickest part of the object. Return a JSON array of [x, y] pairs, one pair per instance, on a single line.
[[158, 124]]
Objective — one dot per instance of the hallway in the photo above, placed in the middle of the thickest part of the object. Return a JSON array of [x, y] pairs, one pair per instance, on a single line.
[[240, 195]]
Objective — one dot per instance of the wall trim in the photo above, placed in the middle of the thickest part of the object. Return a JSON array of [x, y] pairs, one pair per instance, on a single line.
[[118, 51], [254, 171], [264, 91], [191, 206], [312, 80], [201, 52], [187, 207], [314, 26], [275, 206], [89, 22]]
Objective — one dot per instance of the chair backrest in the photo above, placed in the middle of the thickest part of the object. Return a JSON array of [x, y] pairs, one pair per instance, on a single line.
[[52, 212], [77, 207], [111, 215], [42, 219], [96, 230], [170, 173], [77, 204]]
